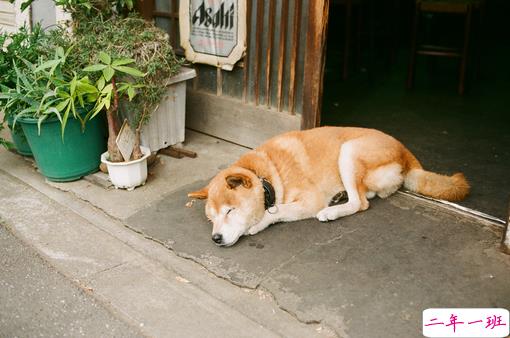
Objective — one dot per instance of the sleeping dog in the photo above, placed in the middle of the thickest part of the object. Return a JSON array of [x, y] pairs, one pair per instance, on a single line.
[[296, 175]]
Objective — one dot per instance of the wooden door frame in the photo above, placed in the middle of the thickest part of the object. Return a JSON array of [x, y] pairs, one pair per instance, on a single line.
[[315, 60]]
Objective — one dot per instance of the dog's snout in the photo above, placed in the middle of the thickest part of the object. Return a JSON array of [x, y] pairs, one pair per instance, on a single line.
[[217, 238]]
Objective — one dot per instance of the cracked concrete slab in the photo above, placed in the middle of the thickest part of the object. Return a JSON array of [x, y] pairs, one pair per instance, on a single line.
[[371, 274], [188, 233], [194, 310], [381, 277], [140, 281]]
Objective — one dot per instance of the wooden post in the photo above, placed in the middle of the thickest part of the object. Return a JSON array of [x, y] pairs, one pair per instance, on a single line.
[[145, 8], [315, 56], [505, 243]]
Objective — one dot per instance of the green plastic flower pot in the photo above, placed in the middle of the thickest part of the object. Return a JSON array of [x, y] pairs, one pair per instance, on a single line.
[[19, 139], [77, 155]]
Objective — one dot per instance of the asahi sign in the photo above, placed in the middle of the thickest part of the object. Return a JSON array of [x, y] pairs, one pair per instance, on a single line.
[[213, 31]]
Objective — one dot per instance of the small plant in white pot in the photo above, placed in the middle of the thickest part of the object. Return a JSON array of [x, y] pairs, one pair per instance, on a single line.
[[125, 159]]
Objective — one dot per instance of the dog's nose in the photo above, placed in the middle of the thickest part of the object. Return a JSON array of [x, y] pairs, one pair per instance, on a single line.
[[217, 238]]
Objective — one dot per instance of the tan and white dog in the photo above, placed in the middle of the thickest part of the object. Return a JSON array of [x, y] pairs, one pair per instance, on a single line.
[[296, 175]]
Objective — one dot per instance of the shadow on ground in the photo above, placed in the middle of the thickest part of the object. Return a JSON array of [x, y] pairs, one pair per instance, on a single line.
[[371, 274]]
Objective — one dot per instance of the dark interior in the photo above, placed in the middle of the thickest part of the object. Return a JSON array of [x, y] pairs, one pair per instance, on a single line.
[[448, 132]]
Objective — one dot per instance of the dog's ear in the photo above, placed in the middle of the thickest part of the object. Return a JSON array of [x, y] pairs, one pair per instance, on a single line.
[[235, 180], [199, 194]]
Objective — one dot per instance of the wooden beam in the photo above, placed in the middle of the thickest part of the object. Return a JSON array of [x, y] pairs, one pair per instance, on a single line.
[[246, 62], [258, 48], [269, 49], [293, 57], [231, 120], [283, 37], [219, 81], [315, 57]]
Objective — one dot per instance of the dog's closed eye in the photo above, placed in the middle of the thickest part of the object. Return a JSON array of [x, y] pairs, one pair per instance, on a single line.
[[229, 210]]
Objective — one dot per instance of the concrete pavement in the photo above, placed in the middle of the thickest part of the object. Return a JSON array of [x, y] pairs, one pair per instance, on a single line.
[[38, 301], [143, 284], [364, 276], [150, 260]]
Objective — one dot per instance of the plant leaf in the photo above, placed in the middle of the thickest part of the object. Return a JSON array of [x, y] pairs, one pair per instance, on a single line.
[[107, 88], [53, 110], [105, 58], [85, 88], [108, 73], [46, 65], [98, 109], [121, 62], [39, 121], [62, 105], [64, 119], [129, 70], [26, 4], [60, 52], [72, 88], [100, 83], [131, 93], [107, 100], [94, 68]]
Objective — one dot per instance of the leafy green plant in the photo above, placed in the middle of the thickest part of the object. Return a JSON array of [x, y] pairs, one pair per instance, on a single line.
[[24, 44], [109, 36], [134, 38], [110, 70], [47, 89], [110, 88]]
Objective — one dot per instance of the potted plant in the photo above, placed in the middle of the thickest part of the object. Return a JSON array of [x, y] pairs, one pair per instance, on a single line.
[[130, 47], [163, 89], [121, 46], [52, 103], [27, 45], [127, 167]]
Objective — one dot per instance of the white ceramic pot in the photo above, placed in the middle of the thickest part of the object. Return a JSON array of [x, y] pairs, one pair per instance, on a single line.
[[128, 175]]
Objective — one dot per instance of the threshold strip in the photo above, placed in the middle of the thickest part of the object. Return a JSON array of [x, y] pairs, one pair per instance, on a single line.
[[499, 222]]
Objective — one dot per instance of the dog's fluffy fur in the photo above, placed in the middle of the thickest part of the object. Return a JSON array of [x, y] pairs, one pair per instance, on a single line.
[[306, 169]]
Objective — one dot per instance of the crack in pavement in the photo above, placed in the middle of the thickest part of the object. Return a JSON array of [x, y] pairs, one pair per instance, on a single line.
[[259, 287]]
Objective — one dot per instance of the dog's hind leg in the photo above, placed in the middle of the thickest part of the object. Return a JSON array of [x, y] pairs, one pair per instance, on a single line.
[[351, 173], [370, 194]]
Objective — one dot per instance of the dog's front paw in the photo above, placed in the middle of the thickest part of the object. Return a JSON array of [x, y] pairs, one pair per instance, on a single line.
[[327, 214], [253, 230]]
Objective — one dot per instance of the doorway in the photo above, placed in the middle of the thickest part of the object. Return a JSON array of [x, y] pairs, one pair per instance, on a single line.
[[446, 131]]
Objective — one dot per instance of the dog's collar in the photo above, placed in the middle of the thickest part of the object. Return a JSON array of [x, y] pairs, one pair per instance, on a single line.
[[269, 194]]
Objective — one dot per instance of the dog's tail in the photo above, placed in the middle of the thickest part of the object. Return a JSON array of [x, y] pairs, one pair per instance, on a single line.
[[450, 188]]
